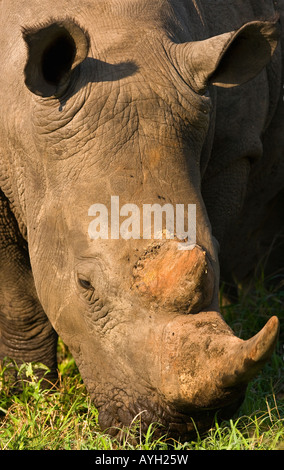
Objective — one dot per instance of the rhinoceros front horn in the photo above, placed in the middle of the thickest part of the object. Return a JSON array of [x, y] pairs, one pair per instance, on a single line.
[[248, 357]]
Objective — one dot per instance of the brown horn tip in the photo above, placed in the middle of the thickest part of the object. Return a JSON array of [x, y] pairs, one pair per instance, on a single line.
[[250, 356], [263, 343]]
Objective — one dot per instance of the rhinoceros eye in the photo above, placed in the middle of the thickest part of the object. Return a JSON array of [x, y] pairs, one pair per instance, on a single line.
[[85, 283], [88, 291]]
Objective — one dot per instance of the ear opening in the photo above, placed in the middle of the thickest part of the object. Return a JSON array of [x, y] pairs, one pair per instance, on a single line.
[[58, 58], [54, 50], [246, 54], [229, 59]]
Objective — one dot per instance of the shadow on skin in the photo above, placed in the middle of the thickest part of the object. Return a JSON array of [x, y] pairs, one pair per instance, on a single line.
[[97, 71]]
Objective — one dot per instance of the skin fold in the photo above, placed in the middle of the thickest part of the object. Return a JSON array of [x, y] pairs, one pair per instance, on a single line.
[[157, 102]]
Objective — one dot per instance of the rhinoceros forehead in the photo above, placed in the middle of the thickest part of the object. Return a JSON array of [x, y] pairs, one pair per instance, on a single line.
[[111, 103]]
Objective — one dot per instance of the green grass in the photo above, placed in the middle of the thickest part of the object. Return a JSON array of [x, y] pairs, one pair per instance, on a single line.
[[34, 419]]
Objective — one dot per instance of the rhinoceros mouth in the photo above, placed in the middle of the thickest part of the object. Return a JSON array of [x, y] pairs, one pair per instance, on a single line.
[[183, 426], [168, 421]]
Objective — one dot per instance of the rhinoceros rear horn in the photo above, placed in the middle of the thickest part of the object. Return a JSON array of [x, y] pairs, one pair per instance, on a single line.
[[229, 59], [54, 50]]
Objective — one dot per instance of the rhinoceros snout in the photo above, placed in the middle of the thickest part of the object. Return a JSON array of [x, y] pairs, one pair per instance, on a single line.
[[180, 279], [207, 367]]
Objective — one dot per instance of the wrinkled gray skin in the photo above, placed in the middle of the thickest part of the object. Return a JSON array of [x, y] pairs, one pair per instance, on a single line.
[[141, 104]]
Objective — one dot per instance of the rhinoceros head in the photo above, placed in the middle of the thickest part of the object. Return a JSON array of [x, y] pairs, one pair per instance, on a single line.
[[119, 120]]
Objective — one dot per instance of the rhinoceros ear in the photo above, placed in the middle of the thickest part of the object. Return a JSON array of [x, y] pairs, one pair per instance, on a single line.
[[229, 59], [54, 50]]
